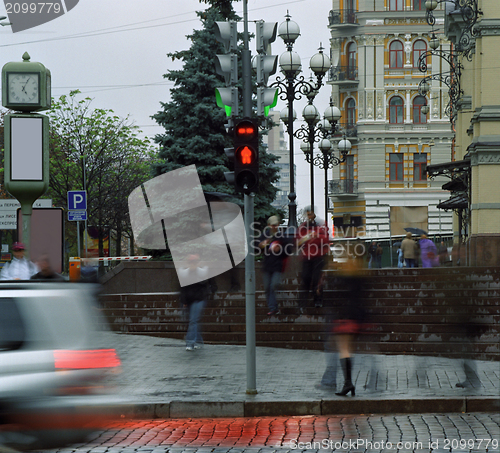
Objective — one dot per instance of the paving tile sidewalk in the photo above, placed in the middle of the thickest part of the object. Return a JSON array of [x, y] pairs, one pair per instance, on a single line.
[[161, 378]]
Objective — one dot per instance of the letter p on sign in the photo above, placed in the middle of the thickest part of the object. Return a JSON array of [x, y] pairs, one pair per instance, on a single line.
[[77, 200]]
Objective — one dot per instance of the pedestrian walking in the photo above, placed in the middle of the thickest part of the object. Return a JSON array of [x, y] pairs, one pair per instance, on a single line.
[[379, 251], [372, 253], [401, 259], [194, 299], [313, 247], [20, 268], [428, 252], [409, 248], [275, 250], [46, 271], [350, 318], [443, 254]]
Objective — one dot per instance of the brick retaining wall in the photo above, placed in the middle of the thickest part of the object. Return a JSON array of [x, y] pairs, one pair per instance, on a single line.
[[414, 311]]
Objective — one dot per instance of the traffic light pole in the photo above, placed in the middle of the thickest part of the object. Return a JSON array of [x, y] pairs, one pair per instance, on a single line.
[[249, 220]]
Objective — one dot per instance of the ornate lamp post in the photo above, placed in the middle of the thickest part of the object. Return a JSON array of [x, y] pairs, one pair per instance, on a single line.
[[328, 159], [309, 134], [320, 131], [469, 11], [292, 87]]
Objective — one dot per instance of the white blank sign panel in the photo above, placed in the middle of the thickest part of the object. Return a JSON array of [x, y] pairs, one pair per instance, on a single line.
[[26, 149]]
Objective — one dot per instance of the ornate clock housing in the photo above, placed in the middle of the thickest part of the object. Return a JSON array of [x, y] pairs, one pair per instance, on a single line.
[[26, 86]]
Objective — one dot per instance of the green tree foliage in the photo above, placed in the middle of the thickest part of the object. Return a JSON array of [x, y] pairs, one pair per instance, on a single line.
[[94, 149], [194, 125]]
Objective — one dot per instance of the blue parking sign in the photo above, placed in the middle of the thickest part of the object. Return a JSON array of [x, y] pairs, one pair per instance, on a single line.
[[77, 200]]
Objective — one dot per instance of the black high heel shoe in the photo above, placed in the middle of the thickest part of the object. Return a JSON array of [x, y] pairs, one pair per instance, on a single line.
[[348, 385], [346, 389]]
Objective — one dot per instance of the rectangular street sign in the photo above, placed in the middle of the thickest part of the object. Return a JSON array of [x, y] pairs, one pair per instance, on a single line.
[[77, 200], [74, 216], [8, 208]]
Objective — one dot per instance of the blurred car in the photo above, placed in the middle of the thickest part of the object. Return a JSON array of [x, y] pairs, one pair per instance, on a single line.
[[54, 364]]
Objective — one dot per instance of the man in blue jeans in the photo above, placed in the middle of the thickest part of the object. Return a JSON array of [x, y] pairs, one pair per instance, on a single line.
[[194, 298]]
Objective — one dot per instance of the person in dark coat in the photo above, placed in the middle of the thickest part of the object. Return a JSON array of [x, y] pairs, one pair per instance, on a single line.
[[350, 318], [46, 271], [274, 248], [194, 298]]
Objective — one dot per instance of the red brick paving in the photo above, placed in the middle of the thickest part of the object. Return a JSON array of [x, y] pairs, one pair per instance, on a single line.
[[220, 432]]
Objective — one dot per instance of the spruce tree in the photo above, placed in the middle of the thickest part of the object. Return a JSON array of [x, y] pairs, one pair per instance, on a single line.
[[194, 125]]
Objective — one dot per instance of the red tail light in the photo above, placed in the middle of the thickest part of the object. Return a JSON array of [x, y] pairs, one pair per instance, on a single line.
[[80, 360]]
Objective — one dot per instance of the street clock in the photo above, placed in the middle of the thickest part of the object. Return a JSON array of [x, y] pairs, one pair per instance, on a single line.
[[26, 86]]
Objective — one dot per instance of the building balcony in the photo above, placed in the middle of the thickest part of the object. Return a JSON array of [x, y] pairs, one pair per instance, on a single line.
[[343, 75], [348, 128], [343, 188], [343, 17]]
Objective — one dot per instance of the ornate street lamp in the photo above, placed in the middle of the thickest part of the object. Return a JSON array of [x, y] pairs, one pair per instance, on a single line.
[[308, 135], [320, 130], [292, 87], [328, 159], [469, 10]]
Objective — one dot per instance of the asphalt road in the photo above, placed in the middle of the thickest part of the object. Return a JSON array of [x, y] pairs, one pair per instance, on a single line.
[[436, 433]]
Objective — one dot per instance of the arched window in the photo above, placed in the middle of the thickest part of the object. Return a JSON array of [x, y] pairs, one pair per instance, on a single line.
[[418, 116], [396, 55], [351, 61], [396, 113], [419, 48], [351, 112]]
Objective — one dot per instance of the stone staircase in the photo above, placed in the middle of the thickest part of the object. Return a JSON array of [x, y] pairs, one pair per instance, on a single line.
[[441, 311]]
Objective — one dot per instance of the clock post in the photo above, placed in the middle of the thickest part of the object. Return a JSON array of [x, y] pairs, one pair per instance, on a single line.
[[26, 90]]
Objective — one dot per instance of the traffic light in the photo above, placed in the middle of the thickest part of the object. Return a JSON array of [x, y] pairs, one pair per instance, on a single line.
[[246, 155], [265, 65], [227, 66]]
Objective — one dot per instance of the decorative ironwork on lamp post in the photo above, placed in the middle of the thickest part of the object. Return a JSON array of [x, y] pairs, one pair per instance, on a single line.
[[328, 160], [469, 12], [292, 87], [321, 131], [451, 78]]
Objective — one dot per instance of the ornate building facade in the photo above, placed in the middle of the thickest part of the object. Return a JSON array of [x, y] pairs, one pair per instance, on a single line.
[[377, 49]]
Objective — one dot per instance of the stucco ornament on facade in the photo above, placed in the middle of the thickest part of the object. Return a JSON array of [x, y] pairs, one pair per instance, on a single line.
[[380, 105], [408, 49], [369, 105]]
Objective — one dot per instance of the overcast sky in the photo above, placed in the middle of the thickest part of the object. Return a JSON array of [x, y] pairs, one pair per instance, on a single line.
[[114, 51]]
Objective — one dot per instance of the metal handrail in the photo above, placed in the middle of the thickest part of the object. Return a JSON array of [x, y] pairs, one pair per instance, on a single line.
[[342, 186], [341, 73], [342, 16]]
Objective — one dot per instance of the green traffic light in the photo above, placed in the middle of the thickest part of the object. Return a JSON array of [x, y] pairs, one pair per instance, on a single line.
[[220, 103]]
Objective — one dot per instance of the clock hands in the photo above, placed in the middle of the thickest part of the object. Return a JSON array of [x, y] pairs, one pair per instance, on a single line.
[[24, 86]]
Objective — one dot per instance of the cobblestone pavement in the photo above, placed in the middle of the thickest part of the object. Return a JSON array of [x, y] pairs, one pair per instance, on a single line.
[[160, 369], [436, 433]]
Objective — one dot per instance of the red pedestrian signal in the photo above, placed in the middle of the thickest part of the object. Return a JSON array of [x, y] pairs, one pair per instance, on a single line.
[[246, 155]]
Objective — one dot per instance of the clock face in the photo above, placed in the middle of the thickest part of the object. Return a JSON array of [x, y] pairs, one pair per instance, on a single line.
[[23, 88]]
